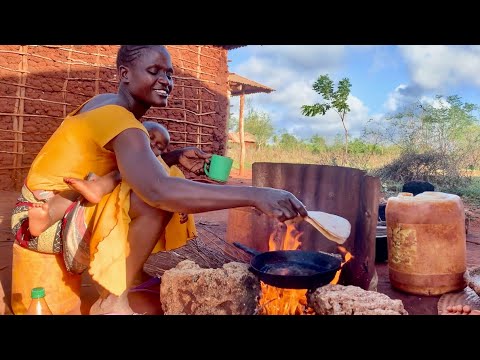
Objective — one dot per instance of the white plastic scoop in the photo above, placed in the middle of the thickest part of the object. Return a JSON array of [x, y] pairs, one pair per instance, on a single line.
[[333, 227]]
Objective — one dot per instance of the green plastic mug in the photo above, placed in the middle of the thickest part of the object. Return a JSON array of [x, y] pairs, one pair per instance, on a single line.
[[219, 168]]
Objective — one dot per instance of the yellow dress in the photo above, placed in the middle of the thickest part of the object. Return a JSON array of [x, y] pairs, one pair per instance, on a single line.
[[77, 148], [176, 234]]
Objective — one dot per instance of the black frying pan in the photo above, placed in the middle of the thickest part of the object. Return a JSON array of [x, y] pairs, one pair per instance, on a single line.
[[293, 269]]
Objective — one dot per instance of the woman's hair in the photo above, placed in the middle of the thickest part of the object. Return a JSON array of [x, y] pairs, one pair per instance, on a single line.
[[127, 54]]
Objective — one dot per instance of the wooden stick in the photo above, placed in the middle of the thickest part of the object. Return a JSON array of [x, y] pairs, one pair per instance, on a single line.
[[21, 110], [32, 99], [13, 152], [196, 99], [192, 112], [28, 86], [25, 141], [33, 115], [15, 118], [194, 62], [178, 121], [199, 103], [190, 142], [193, 51], [65, 83], [192, 78], [97, 73], [9, 69], [91, 79], [195, 87], [12, 168], [184, 103], [59, 47], [11, 131]]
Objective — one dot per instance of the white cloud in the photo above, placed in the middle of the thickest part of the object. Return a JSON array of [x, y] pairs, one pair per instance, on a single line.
[[302, 57], [433, 67], [291, 71], [405, 95], [278, 66], [401, 96]]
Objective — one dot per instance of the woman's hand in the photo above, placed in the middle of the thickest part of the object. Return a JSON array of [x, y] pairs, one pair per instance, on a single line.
[[280, 204], [194, 159]]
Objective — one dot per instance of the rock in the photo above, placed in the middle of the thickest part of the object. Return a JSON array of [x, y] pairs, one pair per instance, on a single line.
[[188, 289], [472, 277], [352, 300]]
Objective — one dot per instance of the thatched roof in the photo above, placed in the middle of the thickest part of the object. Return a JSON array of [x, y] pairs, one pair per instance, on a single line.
[[235, 137], [239, 84], [231, 47]]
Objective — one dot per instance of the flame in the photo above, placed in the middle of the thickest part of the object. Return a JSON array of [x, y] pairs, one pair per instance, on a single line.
[[347, 256], [277, 301]]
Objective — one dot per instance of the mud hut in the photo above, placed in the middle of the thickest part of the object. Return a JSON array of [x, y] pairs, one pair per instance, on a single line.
[[41, 84], [249, 139]]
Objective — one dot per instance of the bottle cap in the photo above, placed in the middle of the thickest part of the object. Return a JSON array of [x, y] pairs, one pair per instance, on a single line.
[[38, 292]]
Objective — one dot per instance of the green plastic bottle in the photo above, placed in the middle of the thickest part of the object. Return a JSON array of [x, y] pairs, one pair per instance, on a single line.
[[38, 306]]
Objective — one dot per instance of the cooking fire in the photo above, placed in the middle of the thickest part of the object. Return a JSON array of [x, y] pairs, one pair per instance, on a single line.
[[283, 301]]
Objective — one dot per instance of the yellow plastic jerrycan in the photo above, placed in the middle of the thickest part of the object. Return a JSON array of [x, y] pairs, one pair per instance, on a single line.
[[426, 243], [31, 269]]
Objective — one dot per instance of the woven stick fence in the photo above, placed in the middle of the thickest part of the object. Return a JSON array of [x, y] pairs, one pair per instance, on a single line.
[[207, 250], [41, 84]]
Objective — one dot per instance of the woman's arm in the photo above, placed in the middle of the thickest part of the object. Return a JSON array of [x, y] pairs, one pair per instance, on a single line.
[[140, 168]]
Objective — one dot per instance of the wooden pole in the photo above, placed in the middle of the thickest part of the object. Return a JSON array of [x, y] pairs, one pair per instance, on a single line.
[[21, 110], [241, 130]]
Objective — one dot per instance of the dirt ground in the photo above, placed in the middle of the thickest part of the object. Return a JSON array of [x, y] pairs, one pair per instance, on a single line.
[[147, 302]]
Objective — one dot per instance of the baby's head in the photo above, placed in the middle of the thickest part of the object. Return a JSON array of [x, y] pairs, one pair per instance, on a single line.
[[159, 136]]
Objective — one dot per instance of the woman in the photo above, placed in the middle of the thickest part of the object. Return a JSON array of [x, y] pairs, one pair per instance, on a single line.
[[105, 133]]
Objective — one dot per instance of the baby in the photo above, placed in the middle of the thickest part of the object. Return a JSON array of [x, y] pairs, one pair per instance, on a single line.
[[43, 215]]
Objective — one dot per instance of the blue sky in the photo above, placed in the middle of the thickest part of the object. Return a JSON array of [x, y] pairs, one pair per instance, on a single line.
[[384, 79]]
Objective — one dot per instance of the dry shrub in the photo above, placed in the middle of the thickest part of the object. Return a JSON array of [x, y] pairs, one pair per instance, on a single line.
[[442, 170]]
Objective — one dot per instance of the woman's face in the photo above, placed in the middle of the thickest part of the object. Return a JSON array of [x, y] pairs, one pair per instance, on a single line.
[[149, 78]]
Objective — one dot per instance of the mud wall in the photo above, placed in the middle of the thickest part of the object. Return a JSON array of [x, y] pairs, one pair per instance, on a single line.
[[40, 85]]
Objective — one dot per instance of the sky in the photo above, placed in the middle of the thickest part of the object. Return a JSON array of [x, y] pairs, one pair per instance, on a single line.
[[384, 79]]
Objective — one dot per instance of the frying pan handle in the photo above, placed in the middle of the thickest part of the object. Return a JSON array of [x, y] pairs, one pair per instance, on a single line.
[[247, 249]]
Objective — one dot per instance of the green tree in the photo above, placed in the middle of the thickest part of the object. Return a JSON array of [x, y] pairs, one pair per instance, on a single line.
[[444, 126], [318, 144], [438, 140], [259, 124], [289, 141], [336, 100], [256, 122], [232, 123]]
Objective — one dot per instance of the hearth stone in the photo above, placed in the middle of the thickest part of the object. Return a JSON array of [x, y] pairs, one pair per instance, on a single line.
[[352, 300], [188, 289]]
